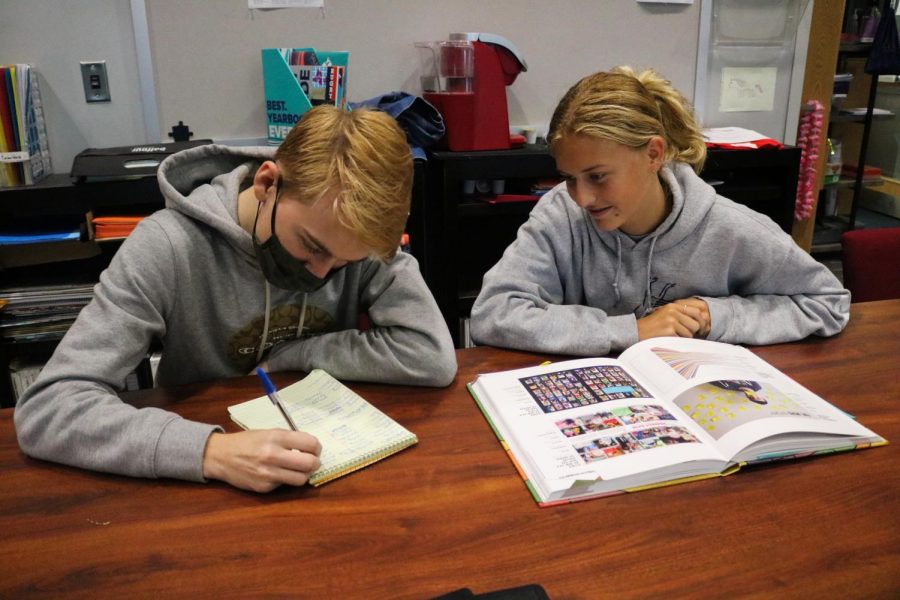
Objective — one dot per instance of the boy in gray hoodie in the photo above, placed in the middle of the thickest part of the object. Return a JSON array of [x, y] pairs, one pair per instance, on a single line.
[[260, 257], [635, 245]]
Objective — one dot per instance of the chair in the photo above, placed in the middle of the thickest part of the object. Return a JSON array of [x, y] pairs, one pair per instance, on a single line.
[[871, 261]]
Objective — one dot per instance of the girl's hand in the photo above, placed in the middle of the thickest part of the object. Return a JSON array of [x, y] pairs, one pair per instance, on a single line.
[[679, 319], [705, 319]]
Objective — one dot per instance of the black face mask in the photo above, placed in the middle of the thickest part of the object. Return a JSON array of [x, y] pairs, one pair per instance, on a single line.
[[279, 267]]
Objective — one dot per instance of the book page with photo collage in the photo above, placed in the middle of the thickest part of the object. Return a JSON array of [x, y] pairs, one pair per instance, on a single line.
[[591, 419]]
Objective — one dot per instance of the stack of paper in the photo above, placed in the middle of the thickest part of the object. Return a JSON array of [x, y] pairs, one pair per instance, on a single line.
[[40, 313]]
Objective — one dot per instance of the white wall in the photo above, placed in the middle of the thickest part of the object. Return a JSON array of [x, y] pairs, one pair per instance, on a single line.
[[206, 54], [54, 36]]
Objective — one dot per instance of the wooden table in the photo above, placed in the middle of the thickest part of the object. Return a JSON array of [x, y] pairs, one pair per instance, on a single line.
[[452, 512]]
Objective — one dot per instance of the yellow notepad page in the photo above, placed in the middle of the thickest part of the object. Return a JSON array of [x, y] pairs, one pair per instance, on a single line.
[[353, 433]]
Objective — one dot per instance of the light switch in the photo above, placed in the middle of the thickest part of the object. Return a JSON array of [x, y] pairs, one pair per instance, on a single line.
[[96, 85]]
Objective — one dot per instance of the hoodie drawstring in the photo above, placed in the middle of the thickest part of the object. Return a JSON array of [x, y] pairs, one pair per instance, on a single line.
[[647, 302], [618, 268], [649, 295], [302, 319], [265, 335]]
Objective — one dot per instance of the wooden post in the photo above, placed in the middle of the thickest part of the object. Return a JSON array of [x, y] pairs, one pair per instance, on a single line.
[[818, 84]]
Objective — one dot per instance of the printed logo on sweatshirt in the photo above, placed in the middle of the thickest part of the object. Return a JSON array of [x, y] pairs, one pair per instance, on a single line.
[[283, 323], [659, 293]]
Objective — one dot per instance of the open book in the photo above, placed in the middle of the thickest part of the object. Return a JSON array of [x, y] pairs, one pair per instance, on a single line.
[[353, 433], [668, 410]]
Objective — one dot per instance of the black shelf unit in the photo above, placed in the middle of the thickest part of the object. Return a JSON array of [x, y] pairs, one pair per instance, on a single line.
[[465, 236], [859, 50], [765, 180], [58, 197]]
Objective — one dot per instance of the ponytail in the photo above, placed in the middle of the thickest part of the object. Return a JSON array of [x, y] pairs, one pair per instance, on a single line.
[[629, 109]]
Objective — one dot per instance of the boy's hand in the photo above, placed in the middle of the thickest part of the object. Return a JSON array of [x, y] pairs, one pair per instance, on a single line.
[[261, 460], [676, 319]]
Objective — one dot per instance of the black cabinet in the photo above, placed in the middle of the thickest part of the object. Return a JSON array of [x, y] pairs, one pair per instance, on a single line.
[[765, 180], [465, 234], [56, 200]]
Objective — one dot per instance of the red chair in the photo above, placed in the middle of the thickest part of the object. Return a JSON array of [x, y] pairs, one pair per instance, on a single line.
[[871, 260]]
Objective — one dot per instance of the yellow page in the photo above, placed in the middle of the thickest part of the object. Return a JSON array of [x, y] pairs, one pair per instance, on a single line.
[[353, 433]]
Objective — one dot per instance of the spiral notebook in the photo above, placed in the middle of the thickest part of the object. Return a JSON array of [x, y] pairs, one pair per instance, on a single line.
[[353, 433]]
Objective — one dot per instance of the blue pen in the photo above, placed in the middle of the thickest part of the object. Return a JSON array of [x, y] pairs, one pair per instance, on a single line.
[[272, 393]]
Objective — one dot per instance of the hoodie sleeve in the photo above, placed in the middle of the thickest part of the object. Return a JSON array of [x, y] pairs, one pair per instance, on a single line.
[[787, 296], [532, 298], [408, 342], [72, 415]]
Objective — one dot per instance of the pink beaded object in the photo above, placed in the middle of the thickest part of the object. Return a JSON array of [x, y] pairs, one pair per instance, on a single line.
[[809, 136]]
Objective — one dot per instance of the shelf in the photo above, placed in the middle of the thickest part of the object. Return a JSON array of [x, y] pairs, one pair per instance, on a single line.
[[57, 199], [530, 162], [465, 236], [853, 118], [58, 195], [889, 186], [825, 248], [482, 209], [861, 83], [858, 48], [846, 182], [45, 346], [827, 235], [466, 299]]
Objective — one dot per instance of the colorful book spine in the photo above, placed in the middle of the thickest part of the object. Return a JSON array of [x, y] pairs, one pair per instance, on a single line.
[[24, 149]]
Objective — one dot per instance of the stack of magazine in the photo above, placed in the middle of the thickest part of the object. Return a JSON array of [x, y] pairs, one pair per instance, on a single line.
[[40, 313]]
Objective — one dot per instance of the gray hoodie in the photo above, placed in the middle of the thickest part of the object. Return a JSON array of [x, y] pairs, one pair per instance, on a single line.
[[566, 286], [188, 277]]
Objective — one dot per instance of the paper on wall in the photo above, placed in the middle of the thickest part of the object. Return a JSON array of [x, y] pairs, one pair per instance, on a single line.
[[263, 4], [747, 89]]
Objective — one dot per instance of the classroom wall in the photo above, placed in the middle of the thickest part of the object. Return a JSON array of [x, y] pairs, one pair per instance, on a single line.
[[206, 54], [54, 36]]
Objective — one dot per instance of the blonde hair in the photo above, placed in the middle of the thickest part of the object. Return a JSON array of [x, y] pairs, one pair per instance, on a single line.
[[363, 155], [629, 109]]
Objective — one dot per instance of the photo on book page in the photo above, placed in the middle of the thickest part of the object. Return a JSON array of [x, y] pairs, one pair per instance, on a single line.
[[623, 430], [585, 386], [722, 406]]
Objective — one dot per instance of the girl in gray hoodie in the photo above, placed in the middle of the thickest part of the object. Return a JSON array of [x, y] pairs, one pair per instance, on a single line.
[[634, 244]]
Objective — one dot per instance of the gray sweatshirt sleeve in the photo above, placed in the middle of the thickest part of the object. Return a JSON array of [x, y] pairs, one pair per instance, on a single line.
[[530, 300], [789, 298], [72, 414], [408, 342]]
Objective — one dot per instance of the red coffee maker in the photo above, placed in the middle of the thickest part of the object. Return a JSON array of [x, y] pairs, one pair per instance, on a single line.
[[465, 78]]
